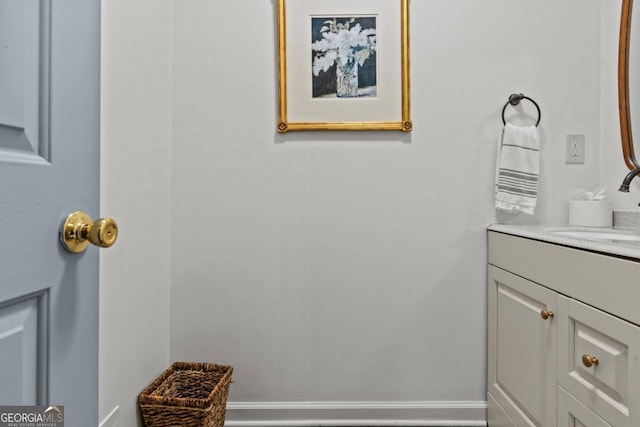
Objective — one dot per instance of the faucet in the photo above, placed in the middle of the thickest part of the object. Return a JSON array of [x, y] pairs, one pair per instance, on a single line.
[[627, 180]]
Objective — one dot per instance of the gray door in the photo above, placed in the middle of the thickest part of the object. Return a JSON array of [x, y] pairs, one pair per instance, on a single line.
[[49, 158]]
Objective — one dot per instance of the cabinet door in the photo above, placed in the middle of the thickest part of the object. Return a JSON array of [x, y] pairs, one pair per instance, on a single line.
[[522, 349], [572, 413], [608, 381], [496, 416]]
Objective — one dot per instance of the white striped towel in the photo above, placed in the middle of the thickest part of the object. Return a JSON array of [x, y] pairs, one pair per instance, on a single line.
[[517, 169]]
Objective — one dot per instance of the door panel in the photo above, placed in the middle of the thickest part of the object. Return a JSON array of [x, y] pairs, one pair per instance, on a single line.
[[23, 348], [24, 81], [49, 165]]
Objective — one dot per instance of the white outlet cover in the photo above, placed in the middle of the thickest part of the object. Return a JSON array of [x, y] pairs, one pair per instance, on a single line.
[[575, 148]]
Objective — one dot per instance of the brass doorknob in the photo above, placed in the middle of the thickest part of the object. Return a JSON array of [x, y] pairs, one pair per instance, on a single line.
[[545, 314], [589, 361], [78, 230]]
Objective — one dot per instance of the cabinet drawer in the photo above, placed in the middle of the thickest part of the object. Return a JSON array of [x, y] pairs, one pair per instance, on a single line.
[[599, 361], [572, 413]]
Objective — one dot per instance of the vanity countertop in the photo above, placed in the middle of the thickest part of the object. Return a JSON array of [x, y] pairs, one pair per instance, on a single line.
[[557, 234]]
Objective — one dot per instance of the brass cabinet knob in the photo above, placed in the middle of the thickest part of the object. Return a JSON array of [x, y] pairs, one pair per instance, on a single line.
[[78, 230], [589, 361], [545, 314]]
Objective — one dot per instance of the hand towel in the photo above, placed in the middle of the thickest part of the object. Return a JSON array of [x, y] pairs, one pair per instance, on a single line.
[[517, 169]]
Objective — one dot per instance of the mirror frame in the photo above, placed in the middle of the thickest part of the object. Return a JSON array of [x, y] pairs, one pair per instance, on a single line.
[[623, 85]]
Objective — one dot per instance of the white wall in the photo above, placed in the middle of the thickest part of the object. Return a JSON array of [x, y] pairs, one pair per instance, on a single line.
[[343, 274], [136, 136]]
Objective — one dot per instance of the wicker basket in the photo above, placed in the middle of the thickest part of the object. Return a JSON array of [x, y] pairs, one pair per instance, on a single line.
[[187, 394]]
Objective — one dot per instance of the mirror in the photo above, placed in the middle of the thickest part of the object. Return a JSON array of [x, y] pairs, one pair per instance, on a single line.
[[629, 91]]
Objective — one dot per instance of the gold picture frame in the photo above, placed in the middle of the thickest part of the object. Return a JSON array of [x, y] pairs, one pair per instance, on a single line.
[[306, 101]]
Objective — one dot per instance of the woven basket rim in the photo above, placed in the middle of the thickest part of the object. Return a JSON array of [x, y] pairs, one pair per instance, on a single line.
[[145, 397]]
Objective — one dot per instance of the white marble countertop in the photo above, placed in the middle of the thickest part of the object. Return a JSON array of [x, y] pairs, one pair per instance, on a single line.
[[552, 233]]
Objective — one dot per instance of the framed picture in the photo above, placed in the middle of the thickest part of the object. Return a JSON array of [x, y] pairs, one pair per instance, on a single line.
[[343, 65]]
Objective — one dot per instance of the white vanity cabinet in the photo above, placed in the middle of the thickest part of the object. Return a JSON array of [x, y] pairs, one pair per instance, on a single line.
[[563, 336], [572, 413]]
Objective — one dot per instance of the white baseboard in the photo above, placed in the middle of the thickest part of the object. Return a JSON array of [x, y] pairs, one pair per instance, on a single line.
[[354, 414], [111, 420]]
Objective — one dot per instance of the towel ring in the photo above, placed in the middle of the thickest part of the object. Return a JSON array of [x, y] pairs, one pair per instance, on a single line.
[[514, 99]]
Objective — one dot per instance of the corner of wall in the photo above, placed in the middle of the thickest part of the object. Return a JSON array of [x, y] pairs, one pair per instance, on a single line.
[[135, 182]]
